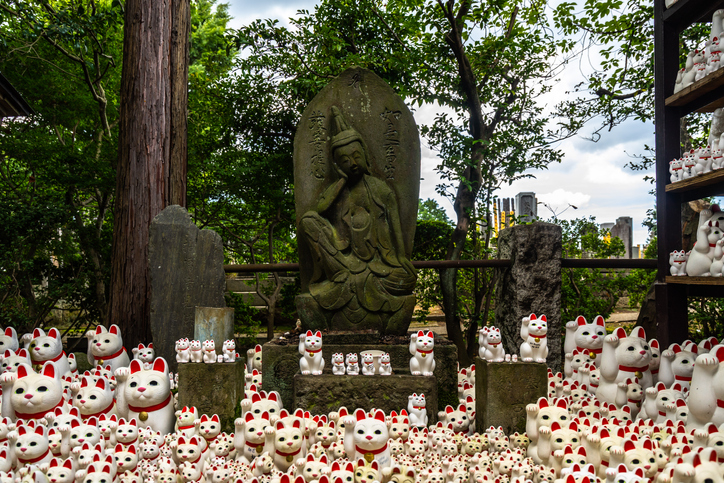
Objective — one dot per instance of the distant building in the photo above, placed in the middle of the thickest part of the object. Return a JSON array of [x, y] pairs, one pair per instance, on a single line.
[[623, 229]]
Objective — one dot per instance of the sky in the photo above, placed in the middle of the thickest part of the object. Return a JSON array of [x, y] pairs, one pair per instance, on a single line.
[[592, 175]]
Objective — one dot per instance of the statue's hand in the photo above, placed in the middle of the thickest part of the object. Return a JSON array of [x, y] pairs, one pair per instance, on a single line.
[[341, 173]]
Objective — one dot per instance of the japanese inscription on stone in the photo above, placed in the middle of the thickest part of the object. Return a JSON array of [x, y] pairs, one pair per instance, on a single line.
[[392, 141], [317, 122]]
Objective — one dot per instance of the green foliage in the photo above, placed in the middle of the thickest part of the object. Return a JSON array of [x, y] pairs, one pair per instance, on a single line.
[[247, 320], [431, 237], [429, 210], [706, 318], [585, 291]]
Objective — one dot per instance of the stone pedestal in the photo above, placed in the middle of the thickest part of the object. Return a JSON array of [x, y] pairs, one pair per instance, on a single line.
[[215, 323], [213, 389], [531, 284], [280, 359], [325, 393], [504, 389], [186, 267]]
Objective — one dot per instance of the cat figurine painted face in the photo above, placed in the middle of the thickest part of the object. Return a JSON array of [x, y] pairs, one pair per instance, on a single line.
[[144, 354], [289, 442], [586, 338], [49, 347], [494, 352], [95, 399], [31, 445], [107, 347], [195, 352], [366, 436], [33, 394], [61, 471], [84, 433], [422, 361], [623, 357], [368, 364], [385, 364], [209, 349], [148, 395], [310, 348], [338, 367], [127, 431], [8, 340], [249, 439]]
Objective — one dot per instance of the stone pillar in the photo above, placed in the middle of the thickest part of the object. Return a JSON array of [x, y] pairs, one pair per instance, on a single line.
[[213, 389], [504, 389], [186, 267], [215, 323], [532, 284]]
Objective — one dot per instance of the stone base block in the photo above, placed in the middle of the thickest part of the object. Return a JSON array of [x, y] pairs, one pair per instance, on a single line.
[[325, 393], [213, 389], [502, 391], [280, 359]]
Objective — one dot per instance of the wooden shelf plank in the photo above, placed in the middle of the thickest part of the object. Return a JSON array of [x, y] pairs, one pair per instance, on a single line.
[[696, 281], [705, 180], [699, 88], [685, 12]]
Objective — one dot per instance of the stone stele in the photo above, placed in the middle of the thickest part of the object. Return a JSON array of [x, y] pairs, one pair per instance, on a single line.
[[186, 267], [356, 187]]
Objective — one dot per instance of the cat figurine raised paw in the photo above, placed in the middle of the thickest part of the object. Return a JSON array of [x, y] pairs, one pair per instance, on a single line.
[[416, 407], [385, 365], [422, 361], [352, 365], [338, 368], [229, 350], [677, 260], [310, 348], [366, 437], [533, 331], [368, 364]]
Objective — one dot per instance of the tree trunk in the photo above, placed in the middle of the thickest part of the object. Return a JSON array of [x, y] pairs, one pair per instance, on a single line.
[[143, 183], [179, 59]]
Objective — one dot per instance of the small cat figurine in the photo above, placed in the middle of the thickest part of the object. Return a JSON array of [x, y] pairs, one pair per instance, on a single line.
[[182, 350], [338, 364], [209, 351], [586, 338], [287, 439], [61, 471], [49, 347], [229, 350], [186, 421], [352, 366], [195, 352], [368, 364], [495, 351], [253, 359], [422, 361], [367, 437], [385, 365], [310, 348], [144, 354], [147, 395], [106, 347], [533, 331], [30, 445], [677, 260], [417, 410]]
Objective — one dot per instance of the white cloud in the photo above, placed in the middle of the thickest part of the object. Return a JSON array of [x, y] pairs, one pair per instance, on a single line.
[[561, 198]]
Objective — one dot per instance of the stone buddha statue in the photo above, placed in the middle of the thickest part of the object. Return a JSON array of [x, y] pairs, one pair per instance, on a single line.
[[361, 277]]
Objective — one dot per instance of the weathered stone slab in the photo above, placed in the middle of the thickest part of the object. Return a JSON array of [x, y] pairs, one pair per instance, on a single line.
[[325, 393], [356, 186], [186, 267], [214, 323], [213, 389], [280, 359], [502, 391], [532, 284]]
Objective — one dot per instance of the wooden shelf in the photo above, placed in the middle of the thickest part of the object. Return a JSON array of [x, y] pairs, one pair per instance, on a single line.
[[697, 90], [709, 184], [685, 12], [696, 281]]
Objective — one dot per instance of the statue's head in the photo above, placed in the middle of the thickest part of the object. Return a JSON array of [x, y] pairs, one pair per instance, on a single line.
[[348, 148]]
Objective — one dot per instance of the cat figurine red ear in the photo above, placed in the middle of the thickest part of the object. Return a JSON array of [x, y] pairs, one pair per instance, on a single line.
[[147, 395], [623, 357], [494, 352], [422, 346], [107, 348], [366, 437], [310, 348]]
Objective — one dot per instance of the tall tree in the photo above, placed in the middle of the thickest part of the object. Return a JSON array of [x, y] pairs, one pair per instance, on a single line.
[[152, 143]]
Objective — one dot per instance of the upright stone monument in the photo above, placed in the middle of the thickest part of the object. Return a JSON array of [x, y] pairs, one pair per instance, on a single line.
[[623, 229], [186, 267], [356, 177], [527, 205]]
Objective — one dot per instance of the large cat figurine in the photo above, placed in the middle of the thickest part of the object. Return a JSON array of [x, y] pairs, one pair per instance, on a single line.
[[587, 338], [422, 361], [106, 347], [249, 439], [33, 394], [310, 348], [288, 442], [31, 445], [624, 357], [533, 331], [147, 395], [366, 436], [44, 348], [711, 223]]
